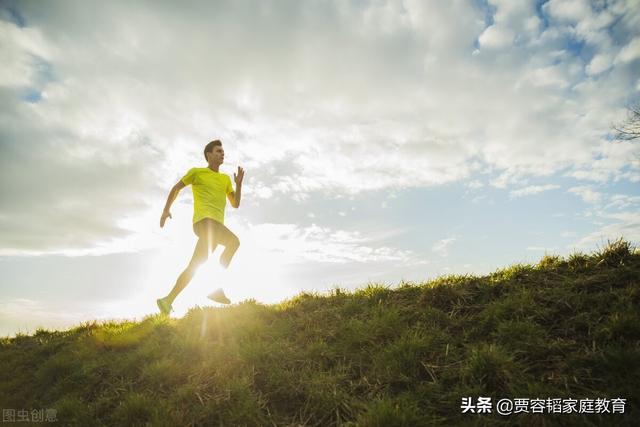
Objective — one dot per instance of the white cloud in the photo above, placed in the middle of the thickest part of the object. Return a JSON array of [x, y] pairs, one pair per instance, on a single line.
[[259, 191], [568, 10], [475, 184], [442, 246], [533, 189], [496, 37], [550, 76], [630, 52], [21, 50], [614, 156], [328, 98], [587, 194], [513, 22], [293, 243], [25, 315], [627, 227], [622, 201], [599, 63]]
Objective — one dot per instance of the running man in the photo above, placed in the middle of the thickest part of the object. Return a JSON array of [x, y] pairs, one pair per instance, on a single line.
[[210, 187]]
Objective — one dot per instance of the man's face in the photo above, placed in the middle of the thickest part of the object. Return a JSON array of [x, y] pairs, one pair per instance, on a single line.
[[217, 155]]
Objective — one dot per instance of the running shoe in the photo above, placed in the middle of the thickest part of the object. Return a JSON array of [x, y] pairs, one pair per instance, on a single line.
[[219, 296], [164, 306]]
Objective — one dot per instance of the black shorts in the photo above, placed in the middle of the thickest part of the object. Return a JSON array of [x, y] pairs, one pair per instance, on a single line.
[[214, 232]]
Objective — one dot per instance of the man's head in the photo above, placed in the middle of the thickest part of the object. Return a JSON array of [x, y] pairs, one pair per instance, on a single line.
[[213, 152]]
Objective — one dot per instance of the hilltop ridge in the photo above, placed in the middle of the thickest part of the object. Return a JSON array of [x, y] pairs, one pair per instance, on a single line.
[[565, 328]]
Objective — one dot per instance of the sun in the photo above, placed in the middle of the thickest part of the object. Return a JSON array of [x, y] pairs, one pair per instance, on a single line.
[[254, 273]]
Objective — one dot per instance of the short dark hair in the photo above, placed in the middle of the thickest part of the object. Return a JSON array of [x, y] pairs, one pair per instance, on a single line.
[[209, 147]]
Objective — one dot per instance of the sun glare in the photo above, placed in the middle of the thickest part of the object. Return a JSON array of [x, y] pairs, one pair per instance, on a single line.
[[254, 273]]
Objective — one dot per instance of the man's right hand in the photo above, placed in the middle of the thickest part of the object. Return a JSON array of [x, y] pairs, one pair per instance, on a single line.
[[163, 218]]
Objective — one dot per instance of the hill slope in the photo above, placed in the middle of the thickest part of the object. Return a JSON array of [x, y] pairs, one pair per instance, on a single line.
[[563, 328]]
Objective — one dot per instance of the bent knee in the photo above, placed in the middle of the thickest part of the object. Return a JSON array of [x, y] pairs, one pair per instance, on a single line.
[[231, 241]]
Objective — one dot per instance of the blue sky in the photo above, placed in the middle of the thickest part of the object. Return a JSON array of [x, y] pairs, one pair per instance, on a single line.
[[383, 141]]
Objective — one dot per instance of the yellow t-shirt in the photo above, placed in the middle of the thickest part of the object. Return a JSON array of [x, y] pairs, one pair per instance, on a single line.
[[210, 191]]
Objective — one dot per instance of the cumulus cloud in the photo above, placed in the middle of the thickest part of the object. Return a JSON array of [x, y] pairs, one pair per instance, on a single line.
[[25, 315], [626, 225], [475, 184], [617, 160], [611, 214], [622, 201], [496, 37], [294, 244], [442, 246], [21, 53], [513, 22], [61, 195], [598, 64], [532, 189], [630, 52], [587, 194], [107, 104], [570, 11]]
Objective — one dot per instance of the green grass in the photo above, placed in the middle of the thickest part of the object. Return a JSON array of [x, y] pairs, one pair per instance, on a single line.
[[562, 328]]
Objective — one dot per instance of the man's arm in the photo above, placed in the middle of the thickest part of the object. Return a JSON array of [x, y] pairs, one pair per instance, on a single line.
[[235, 196], [172, 196]]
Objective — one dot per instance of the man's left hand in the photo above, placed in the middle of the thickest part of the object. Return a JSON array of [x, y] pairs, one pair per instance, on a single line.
[[237, 177]]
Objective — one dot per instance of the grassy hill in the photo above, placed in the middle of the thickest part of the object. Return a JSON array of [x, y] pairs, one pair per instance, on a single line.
[[563, 328]]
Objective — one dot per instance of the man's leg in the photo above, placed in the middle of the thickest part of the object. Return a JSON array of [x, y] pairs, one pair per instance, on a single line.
[[230, 241], [200, 255], [224, 237]]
